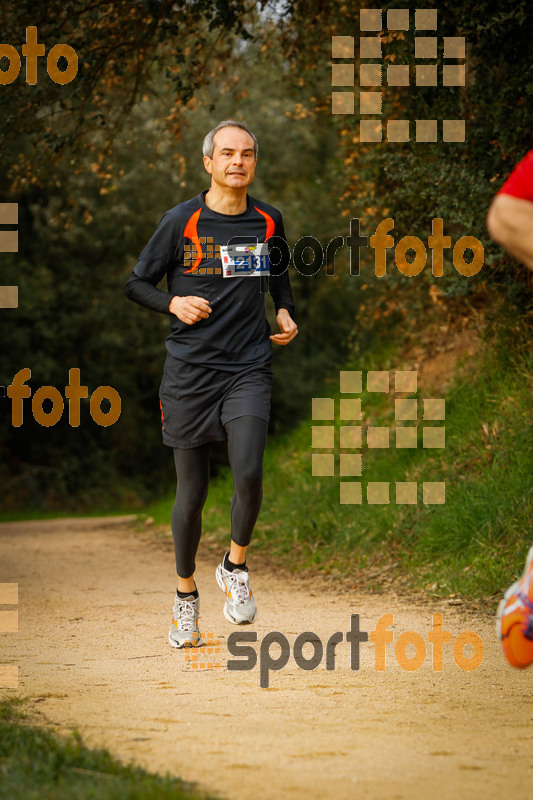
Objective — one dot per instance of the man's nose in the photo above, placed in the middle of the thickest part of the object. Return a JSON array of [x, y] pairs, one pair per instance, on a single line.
[[237, 158]]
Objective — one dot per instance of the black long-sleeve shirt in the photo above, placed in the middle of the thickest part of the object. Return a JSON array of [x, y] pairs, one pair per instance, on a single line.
[[185, 248]]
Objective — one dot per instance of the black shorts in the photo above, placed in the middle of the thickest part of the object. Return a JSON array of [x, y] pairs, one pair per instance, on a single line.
[[196, 402]]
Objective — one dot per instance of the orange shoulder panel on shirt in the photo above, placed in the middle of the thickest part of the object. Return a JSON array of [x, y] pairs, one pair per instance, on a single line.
[[191, 232], [270, 223]]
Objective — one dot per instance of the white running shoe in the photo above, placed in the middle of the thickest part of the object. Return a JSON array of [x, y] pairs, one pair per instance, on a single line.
[[240, 606], [184, 626]]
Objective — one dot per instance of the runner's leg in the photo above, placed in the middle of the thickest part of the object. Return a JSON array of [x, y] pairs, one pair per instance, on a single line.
[[192, 471], [246, 445]]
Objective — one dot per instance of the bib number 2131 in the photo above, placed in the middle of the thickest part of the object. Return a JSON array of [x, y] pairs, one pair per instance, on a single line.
[[242, 260]]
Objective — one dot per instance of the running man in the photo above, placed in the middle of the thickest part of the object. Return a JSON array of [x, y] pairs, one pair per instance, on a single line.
[[217, 378], [510, 223]]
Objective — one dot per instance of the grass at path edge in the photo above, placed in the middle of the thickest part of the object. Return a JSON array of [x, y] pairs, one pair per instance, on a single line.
[[36, 763]]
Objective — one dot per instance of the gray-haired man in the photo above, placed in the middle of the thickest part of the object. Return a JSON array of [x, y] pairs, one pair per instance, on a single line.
[[217, 379]]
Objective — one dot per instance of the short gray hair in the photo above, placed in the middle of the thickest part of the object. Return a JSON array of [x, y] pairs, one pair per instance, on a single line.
[[209, 143]]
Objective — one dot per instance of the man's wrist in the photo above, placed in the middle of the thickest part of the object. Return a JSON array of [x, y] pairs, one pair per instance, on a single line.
[[287, 311]]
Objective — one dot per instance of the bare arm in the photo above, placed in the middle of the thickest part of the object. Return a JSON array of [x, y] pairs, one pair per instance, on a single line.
[[510, 223]]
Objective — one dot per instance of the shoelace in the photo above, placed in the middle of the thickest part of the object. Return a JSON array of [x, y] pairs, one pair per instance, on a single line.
[[185, 614], [239, 586]]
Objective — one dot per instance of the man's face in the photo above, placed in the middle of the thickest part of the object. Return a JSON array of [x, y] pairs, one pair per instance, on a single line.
[[233, 162]]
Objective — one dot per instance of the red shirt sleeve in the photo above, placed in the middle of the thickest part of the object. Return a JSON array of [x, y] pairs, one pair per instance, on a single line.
[[520, 181]]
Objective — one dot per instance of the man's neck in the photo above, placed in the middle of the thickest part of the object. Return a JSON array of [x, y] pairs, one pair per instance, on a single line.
[[226, 202]]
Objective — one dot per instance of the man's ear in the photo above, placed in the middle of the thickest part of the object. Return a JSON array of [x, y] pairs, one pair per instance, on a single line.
[[207, 164]]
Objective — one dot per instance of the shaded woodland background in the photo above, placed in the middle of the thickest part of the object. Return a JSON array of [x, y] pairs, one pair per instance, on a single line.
[[94, 164]]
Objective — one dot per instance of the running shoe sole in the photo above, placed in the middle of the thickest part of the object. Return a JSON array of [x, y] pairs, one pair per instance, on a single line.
[[185, 642]]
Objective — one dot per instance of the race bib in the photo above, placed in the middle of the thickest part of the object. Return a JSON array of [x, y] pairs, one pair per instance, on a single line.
[[243, 260]]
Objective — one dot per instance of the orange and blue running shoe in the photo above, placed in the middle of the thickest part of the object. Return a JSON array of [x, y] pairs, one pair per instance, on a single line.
[[515, 619]]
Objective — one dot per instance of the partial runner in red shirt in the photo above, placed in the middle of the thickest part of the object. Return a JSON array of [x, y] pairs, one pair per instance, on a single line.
[[510, 223], [510, 216]]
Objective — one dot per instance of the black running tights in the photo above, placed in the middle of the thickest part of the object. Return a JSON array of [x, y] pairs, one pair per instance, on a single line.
[[246, 444]]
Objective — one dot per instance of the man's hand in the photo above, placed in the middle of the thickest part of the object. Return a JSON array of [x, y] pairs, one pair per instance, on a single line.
[[189, 309], [286, 325]]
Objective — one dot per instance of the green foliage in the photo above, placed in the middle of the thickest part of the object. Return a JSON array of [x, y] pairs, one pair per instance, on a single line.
[[119, 45], [415, 182], [77, 249]]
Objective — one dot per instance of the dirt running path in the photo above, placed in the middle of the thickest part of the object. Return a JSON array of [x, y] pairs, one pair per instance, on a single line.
[[95, 601]]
